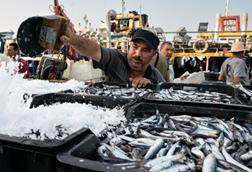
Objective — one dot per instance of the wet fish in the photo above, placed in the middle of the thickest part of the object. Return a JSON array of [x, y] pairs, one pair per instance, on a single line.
[[109, 152], [209, 164], [198, 153], [195, 96], [206, 144], [232, 161], [177, 168], [247, 156], [154, 149], [164, 159]]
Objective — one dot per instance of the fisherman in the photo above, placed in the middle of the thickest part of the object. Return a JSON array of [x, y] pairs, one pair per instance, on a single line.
[[234, 69], [160, 62], [14, 53], [121, 68], [166, 48]]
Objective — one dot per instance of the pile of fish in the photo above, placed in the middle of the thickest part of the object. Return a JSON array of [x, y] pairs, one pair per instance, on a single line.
[[179, 143], [116, 91], [191, 95]]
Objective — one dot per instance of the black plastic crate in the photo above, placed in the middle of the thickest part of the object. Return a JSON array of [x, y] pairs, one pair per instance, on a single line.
[[228, 93], [215, 87], [27, 155], [245, 94], [74, 161], [71, 163], [145, 109], [211, 76], [51, 98], [94, 94]]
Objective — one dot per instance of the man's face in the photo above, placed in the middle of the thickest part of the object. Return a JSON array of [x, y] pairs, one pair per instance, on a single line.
[[167, 50], [11, 52], [139, 55]]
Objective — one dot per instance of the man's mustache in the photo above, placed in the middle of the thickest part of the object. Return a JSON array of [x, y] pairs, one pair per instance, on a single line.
[[137, 58]]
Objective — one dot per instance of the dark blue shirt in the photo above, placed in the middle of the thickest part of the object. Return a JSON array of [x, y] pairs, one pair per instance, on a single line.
[[115, 65]]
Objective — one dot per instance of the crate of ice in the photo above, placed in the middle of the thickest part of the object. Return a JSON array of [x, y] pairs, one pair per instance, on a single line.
[[31, 139], [23, 154]]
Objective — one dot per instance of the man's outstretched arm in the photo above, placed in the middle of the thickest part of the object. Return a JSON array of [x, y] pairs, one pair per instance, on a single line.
[[85, 46]]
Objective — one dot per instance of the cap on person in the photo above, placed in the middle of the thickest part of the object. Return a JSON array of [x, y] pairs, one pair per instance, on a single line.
[[237, 47], [147, 36]]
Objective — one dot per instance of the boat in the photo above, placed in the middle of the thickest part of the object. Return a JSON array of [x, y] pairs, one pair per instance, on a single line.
[[118, 26], [212, 46], [62, 63], [116, 34]]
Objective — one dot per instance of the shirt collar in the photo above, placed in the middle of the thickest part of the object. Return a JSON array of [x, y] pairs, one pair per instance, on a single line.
[[16, 58]]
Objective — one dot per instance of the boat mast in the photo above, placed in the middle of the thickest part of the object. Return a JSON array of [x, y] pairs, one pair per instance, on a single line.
[[140, 11], [140, 7], [226, 7], [123, 6]]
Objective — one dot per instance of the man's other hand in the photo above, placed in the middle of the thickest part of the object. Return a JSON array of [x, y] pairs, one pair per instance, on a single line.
[[139, 82]]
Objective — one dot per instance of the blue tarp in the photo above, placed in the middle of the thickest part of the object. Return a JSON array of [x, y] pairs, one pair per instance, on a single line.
[[1, 44], [118, 36]]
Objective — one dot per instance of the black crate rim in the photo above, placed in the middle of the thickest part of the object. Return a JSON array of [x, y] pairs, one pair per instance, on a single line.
[[222, 88], [44, 147], [207, 107]]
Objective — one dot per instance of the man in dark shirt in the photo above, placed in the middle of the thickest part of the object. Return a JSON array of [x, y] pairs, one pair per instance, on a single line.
[[133, 68]]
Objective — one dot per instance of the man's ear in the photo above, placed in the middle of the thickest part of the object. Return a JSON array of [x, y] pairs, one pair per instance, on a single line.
[[131, 33], [155, 52]]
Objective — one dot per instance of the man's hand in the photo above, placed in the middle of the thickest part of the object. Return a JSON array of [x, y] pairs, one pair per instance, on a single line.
[[221, 77], [139, 82], [236, 80], [83, 45], [70, 32]]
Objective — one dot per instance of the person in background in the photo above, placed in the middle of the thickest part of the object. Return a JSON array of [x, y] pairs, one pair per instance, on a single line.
[[159, 61], [14, 53], [166, 48], [226, 48], [4, 59], [234, 69], [131, 68]]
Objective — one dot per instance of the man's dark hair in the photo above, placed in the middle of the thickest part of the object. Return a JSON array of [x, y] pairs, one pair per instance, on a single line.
[[165, 42], [15, 46]]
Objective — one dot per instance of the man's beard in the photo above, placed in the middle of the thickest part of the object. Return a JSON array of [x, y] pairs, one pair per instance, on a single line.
[[137, 64]]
